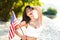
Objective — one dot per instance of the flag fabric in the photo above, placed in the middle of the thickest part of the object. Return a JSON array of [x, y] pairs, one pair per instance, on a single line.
[[13, 24]]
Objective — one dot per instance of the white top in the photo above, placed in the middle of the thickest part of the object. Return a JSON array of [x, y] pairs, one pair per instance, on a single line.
[[33, 32]]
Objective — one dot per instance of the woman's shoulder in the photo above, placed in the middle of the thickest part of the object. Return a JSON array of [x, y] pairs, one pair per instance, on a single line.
[[23, 23]]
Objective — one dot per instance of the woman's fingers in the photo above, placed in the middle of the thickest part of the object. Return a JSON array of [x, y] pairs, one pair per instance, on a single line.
[[23, 37]]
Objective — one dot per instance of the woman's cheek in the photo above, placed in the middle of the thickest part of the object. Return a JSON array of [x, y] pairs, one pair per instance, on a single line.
[[35, 14], [28, 14]]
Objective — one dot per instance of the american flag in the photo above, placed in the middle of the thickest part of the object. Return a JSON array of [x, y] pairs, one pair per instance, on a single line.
[[13, 24]]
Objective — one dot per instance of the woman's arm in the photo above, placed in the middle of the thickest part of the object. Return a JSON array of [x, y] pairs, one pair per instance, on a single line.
[[38, 8], [17, 33]]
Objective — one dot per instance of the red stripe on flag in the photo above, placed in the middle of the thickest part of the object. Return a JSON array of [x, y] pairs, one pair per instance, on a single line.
[[10, 35], [12, 31]]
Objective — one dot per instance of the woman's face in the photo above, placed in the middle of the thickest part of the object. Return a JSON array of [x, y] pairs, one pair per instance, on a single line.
[[32, 13], [29, 12]]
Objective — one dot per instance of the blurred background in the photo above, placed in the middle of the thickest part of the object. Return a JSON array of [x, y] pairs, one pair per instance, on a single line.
[[50, 8]]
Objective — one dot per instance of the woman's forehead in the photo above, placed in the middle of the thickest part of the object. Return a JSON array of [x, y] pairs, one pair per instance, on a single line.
[[29, 8]]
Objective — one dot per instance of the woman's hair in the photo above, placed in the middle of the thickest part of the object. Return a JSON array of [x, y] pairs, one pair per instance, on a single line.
[[24, 16]]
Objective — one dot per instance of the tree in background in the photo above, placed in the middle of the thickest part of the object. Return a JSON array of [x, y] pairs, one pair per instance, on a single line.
[[51, 12], [17, 5], [5, 7]]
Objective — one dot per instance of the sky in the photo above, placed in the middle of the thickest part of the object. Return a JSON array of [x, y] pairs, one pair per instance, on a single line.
[[56, 5]]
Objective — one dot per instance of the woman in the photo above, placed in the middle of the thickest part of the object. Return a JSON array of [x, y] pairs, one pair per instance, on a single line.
[[31, 23]]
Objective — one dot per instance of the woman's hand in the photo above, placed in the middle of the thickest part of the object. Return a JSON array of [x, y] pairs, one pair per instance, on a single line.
[[23, 37], [31, 38]]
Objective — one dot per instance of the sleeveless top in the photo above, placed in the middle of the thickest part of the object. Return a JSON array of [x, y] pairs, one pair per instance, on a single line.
[[33, 32]]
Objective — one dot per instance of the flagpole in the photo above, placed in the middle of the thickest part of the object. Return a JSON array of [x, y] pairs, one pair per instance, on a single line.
[[22, 32]]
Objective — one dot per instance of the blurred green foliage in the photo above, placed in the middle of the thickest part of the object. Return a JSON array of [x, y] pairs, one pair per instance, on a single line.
[[51, 12], [17, 5]]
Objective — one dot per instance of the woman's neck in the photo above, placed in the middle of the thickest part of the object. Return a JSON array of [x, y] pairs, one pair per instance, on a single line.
[[32, 19]]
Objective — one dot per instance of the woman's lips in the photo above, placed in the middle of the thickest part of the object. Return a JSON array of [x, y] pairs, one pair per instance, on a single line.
[[30, 13]]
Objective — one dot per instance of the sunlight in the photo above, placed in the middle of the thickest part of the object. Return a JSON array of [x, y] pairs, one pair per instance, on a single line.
[[56, 5]]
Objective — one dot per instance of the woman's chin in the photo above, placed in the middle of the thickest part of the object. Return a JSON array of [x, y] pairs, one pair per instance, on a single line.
[[35, 17]]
